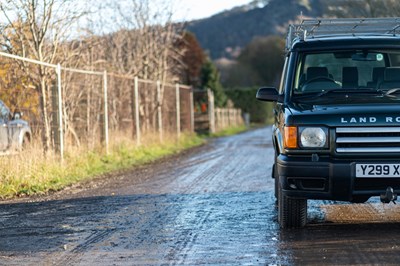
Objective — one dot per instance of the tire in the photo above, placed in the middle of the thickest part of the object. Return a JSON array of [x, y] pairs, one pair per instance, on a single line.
[[26, 142], [292, 212], [274, 175]]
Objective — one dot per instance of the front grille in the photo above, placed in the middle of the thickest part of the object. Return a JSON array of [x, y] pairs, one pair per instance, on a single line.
[[367, 139]]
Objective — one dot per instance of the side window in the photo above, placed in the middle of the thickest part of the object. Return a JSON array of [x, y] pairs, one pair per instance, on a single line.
[[300, 74], [283, 77], [394, 60], [4, 112]]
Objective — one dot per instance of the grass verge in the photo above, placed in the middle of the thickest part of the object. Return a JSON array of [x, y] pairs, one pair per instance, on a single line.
[[230, 131], [31, 172]]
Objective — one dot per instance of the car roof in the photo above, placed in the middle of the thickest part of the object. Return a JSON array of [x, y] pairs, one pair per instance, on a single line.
[[344, 42], [352, 31]]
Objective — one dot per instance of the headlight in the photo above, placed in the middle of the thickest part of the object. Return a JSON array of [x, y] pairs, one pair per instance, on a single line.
[[313, 137]]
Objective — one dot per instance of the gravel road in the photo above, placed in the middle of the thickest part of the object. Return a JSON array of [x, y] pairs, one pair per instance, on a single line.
[[211, 205]]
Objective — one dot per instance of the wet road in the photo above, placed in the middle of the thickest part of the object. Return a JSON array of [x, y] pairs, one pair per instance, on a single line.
[[213, 205]]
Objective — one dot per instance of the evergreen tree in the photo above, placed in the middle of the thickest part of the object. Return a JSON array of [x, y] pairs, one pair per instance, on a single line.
[[259, 64], [210, 79]]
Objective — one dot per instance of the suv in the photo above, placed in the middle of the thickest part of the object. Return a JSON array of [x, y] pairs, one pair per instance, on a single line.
[[15, 133], [337, 115]]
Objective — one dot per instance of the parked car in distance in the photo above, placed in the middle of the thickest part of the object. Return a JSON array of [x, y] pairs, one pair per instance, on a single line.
[[15, 133]]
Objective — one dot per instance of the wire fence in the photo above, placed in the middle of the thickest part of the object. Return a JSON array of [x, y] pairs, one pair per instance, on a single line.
[[69, 108]]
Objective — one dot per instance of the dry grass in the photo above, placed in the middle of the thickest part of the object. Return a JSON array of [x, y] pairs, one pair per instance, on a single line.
[[30, 172]]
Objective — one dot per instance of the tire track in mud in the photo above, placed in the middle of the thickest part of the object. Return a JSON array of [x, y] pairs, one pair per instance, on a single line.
[[185, 239], [222, 172], [184, 246], [203, 180], [123, 221], [75, 254], [211, 168]]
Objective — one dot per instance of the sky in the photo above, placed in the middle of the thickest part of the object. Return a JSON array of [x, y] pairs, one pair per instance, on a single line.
[[196, 9]]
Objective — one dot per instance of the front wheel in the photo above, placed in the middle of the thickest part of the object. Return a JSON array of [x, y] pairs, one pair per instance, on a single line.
[[292, 211]]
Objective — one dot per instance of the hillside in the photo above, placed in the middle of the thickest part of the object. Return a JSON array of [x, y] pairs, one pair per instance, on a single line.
[[224, 34]]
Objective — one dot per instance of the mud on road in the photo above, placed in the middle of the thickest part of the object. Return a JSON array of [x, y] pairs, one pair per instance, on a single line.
[[212, 205]]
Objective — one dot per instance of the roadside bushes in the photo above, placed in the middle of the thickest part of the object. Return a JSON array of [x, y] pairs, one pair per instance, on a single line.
[[245, 99]]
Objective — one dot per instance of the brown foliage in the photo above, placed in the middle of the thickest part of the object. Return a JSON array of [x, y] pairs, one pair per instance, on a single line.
[[193, 59]]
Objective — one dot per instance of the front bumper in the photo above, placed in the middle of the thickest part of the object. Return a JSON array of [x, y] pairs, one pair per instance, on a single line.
[[329, 179]]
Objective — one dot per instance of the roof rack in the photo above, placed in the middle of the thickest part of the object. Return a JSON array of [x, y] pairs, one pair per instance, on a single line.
[[312, 28]]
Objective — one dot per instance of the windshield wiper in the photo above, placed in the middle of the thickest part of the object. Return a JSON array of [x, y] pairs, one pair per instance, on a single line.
[[347, 91], [392, 91], [340, 91]]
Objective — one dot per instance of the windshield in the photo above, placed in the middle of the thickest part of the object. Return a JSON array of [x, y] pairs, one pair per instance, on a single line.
[[347, 71]]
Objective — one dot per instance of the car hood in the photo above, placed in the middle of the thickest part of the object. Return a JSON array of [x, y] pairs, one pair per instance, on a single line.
[[378, 114]]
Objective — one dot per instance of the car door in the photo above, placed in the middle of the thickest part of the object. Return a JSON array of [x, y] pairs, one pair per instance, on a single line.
[[4, 130]]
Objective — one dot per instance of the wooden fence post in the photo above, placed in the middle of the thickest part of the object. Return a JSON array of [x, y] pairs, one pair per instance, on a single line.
[[159, 110], [216, 119], [137, 121], [60, 113], [105, 89], [178, 111], [211, 112], [191, 110]]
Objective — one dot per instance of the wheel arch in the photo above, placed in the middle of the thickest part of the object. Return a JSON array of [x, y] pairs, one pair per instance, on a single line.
[[21, 136]]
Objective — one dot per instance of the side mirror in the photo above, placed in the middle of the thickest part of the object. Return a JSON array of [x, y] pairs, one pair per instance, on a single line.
[[268, 94], [17, 115]]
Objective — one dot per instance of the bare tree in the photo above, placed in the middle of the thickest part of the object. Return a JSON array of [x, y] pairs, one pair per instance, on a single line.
[[139, 39], [144, 44], [38, 28]]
